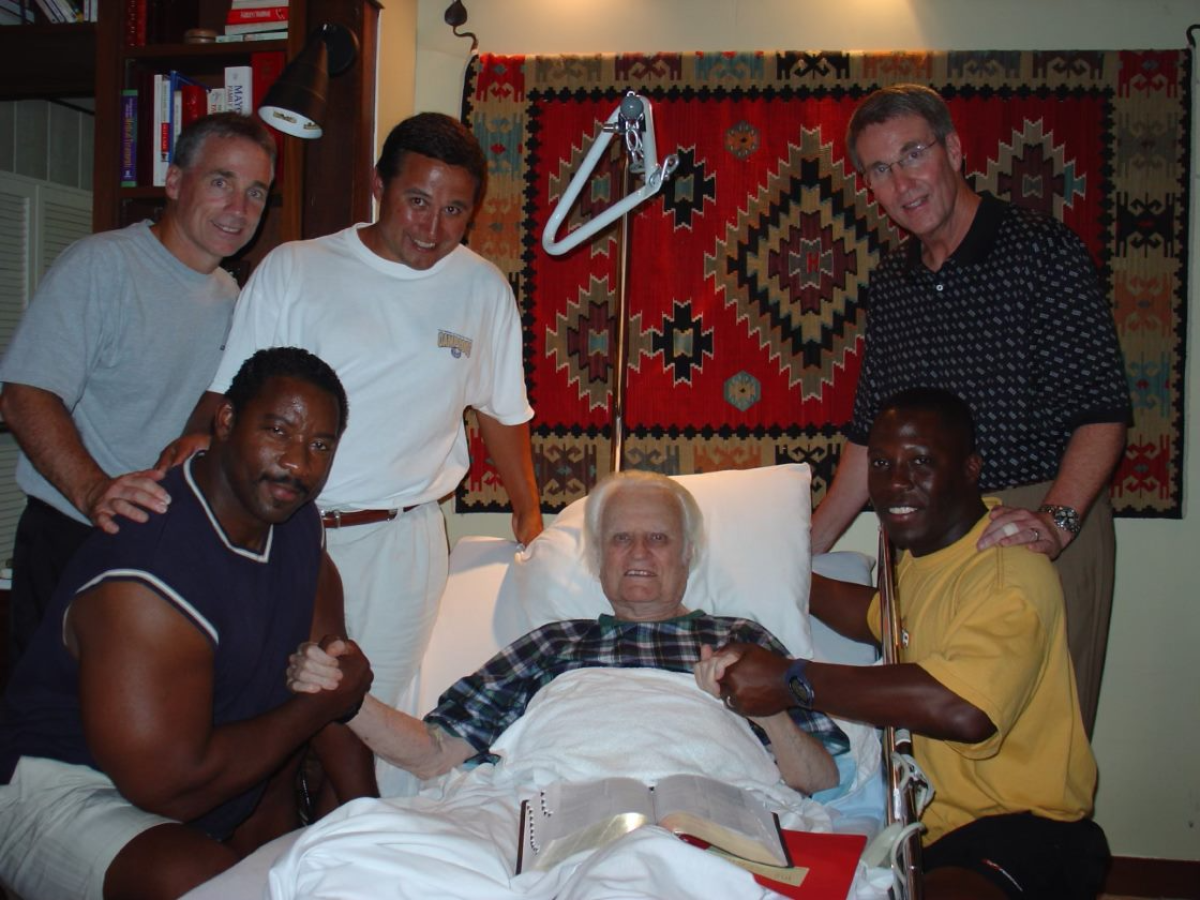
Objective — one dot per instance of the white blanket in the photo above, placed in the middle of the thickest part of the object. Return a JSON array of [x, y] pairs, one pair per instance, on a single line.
[[458, 838]]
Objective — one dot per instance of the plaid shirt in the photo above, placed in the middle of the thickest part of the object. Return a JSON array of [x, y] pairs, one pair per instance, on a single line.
[[480, 707]]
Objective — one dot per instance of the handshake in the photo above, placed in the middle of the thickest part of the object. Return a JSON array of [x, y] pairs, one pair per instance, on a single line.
[[750, 680]]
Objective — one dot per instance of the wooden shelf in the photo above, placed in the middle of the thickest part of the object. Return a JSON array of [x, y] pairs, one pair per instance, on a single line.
[[201, 51], [47, 61]]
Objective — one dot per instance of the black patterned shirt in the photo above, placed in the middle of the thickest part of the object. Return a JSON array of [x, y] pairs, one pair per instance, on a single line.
[[480, 707], [1014, 323]]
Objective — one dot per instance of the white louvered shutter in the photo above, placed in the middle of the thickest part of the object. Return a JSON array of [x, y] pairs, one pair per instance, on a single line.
[[37, 222]]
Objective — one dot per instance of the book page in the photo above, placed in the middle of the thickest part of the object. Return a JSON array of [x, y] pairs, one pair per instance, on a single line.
[[573, 805], [726, 816], [569, 817]]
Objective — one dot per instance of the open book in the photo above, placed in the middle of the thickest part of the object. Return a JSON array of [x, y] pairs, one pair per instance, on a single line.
[[569, 817]]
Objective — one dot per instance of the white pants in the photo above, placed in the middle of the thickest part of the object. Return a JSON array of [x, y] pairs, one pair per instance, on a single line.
[[393, 574]]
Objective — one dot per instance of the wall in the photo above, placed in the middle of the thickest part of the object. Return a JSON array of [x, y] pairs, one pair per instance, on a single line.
[[1149, 720], [394, 75]]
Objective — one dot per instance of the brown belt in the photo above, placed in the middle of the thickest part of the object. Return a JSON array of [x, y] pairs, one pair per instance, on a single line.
[[335, 518]]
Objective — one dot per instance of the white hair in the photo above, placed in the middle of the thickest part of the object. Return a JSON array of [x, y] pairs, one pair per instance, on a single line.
[[693, 519]]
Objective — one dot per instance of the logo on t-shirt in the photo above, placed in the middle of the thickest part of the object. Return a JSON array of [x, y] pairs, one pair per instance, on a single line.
[[459, 345]]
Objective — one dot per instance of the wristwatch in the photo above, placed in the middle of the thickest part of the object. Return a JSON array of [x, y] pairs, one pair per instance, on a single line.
[[1063, 516], [799, 684]]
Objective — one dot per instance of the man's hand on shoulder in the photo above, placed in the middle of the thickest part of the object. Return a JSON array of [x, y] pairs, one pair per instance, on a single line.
[[753, 683], [181, 449], [1012, 526], [133, 495]]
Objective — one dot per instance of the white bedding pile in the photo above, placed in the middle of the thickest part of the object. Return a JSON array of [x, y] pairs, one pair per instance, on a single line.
[[458, 838]]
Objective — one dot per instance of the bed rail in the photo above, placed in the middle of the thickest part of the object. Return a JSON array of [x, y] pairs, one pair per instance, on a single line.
[[903, 776]]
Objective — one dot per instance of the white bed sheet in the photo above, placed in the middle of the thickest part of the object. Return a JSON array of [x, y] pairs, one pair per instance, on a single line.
[[447, 841], [458, 837]]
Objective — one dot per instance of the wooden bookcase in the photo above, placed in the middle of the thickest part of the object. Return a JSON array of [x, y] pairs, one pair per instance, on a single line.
[[325, 185], [44, 61]]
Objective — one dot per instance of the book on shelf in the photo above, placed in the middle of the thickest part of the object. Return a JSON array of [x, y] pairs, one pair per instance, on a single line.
[[270, 15], [249, 21], [142, 81], [255, 28], [568, 817], [17, 11], [129, 137], [69, 11], [257, 4], [187, 103], [135, 23], [265, 68], [161, 134], [193, 104], [252, 36], [50, 10], [238, 90]]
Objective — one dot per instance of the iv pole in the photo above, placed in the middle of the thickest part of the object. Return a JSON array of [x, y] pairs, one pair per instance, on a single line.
[[633, 119]]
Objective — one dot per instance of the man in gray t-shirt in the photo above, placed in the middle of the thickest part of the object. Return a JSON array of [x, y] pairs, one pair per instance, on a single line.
[[123, 335]]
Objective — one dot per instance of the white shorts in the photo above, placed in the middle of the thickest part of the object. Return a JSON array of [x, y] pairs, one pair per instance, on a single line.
[[61, 826]]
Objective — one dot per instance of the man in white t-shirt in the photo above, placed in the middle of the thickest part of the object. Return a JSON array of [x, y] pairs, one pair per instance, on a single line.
[[418, 327]]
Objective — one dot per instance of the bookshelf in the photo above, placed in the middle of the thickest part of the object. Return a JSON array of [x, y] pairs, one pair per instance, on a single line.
[[325, 184], [43, 60]]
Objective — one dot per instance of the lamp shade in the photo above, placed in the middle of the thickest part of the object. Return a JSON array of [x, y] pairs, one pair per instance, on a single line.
[[295, 103]]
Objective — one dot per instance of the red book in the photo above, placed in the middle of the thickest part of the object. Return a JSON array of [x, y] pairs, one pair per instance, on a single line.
[[255, 16], [194, 103], [831, 860], [266, 66], [135, 23]]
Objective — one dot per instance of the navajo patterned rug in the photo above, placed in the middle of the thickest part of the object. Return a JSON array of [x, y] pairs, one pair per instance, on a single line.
[[745, 324]]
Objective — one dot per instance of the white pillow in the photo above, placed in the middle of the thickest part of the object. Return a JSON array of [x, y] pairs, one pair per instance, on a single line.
[[755, 565]]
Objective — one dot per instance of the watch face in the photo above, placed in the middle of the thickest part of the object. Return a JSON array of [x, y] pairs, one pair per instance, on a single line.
[[801, 690], [1064, 517]]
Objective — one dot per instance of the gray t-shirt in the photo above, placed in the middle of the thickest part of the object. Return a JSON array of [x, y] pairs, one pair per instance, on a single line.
[[129, 337]]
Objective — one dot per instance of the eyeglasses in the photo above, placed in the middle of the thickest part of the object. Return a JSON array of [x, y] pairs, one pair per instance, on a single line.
[[915, 157]]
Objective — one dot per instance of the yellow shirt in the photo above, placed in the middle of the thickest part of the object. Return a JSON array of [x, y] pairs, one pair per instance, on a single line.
[[989, 626]]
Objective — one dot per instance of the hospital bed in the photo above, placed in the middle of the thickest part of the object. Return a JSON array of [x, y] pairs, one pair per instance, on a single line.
[[756, 565]]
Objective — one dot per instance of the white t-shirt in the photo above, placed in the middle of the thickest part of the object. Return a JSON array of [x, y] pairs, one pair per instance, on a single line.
[[412, 348]]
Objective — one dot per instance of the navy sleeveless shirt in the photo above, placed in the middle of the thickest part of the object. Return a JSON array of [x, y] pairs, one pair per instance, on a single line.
[[252, 608]]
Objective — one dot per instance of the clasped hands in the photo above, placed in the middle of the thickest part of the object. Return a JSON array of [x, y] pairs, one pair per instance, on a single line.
[[747, 678], [335, 665]]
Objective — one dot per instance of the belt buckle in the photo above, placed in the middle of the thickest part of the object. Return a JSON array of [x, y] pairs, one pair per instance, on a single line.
[[337, 518]]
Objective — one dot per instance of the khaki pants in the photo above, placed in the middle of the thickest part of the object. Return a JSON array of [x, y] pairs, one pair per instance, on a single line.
[[1086, 569]]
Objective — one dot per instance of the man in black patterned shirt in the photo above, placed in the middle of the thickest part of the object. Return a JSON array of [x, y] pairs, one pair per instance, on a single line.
[[1003, 307], [643, 533]]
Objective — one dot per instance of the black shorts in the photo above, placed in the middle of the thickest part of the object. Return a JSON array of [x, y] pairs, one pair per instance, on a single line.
[[1027, 856]]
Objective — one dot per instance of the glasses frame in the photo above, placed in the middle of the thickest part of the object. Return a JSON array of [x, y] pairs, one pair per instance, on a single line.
[[906, 161]]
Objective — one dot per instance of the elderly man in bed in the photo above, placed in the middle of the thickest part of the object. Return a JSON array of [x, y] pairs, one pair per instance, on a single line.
[[644, 533], [984, 681]]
